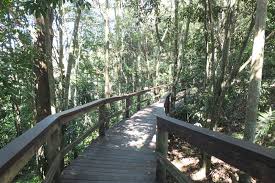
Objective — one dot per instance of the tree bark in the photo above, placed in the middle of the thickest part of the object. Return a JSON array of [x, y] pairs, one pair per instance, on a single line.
[[107, 86], [71, 60], [176, 54], [48, 31], [255, 76], [256, 71], [61, 55], [218, 84], [41, 70], [183, 42]]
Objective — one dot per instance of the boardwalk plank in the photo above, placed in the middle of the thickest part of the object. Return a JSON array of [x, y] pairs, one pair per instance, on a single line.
[[124, 155]]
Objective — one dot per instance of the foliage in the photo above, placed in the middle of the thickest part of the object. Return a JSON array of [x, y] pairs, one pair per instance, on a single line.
[[266, 128], [141, 54]]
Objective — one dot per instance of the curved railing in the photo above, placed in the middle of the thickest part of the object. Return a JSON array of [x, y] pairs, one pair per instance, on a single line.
[[15, 155], [255, 160]]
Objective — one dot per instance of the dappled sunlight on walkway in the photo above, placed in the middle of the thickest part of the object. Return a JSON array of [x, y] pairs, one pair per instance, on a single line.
[[125, 154]]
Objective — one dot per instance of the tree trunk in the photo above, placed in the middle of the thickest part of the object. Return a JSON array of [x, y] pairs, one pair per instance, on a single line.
[[71, 60], [41, 70], [43, 105], [256, 72], [255, 76], [107, 86], [117, 11], [61, 55], [176, 54], [17, 121], [183, 39], [48, 31], [218, 84]]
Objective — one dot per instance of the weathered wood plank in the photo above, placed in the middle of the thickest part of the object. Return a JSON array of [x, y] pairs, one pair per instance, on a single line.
[[125, 154], [174, 171], [161, 148], [111, 177], [138, 102], [127, 107], [53, 155], [104, 181], [101, 120], [52, 175], [122, 169]]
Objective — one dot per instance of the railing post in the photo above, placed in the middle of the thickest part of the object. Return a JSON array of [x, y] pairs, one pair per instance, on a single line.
[[54, 143], [62, 145], [156, 93], [149, 94], [101, 120], [127, 107], [167, 105], [138, 102], [162, 148]]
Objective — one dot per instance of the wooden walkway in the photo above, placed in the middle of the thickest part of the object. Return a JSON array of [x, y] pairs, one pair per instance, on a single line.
[[124, 155]]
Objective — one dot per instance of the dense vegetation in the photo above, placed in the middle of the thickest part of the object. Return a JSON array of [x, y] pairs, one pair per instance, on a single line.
[[58, 54]]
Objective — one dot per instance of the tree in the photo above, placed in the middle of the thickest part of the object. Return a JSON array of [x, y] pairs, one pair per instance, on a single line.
[[176, 54], [254, 89], [256, 72], [107, 86], [72, 57]]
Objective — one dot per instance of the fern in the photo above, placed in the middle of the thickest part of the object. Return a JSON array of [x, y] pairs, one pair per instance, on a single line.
[[266, 129]]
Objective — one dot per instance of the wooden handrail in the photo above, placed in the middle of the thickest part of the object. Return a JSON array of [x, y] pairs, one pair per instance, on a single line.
[[15, 155], [174, 171], [257, 161]]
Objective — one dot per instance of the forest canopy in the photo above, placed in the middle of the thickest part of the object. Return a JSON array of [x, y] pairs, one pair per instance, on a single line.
[[58, 54]]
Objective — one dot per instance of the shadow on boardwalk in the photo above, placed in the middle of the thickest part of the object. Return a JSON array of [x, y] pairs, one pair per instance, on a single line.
[[125, 154]]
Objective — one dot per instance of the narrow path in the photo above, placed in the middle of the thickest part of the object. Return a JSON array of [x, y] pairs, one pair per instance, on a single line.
[[124, 155]]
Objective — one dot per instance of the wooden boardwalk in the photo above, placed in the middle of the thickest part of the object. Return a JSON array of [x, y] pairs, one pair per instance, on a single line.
[[124, 155]]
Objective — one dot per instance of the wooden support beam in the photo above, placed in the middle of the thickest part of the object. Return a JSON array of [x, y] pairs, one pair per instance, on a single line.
[[127, 107], [174, 171], [167, 104], [101, 120], [149, 98], [53, 149], [162, 149], [138, 102]]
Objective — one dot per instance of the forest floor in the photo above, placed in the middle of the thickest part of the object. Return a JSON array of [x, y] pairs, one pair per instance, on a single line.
[[187, 159]]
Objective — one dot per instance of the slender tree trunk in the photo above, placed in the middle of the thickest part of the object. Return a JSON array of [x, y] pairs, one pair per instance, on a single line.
[[207, 55], [184, 40], [255, 76], [107, 86], [48, 20], [256, 72], [118, 30], [71, 60], [212, 43], [176, 54], [61, 54], [147, 60], [17, 121], [160, 45], [218, 85]]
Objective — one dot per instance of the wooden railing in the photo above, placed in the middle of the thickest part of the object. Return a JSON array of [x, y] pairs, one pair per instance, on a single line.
[[15, 155], [255, 160]]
